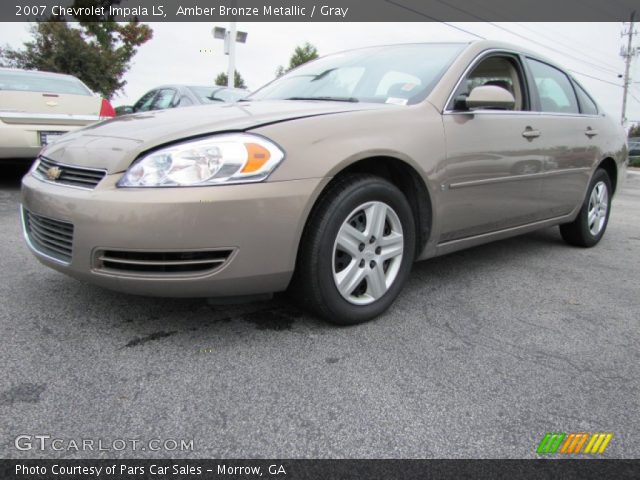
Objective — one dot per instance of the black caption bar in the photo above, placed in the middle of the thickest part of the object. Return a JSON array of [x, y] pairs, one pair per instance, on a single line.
[[320, 10], [317, 469]]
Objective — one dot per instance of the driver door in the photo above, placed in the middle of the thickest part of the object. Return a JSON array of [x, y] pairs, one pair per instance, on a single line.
[[494, 157]]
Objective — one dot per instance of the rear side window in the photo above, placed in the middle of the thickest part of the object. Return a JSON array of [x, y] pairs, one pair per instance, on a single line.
[[34, 82], [230, 95], [554, 88], [587, 105]]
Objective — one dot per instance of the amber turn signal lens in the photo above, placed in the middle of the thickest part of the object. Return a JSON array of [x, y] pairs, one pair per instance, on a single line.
[[257, 157]]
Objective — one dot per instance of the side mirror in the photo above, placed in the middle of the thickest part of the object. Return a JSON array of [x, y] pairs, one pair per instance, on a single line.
[[490, 97], [124, 110]]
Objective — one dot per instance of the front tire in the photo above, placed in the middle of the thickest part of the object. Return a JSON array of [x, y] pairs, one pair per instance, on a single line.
[[591, 223], [357, 250]]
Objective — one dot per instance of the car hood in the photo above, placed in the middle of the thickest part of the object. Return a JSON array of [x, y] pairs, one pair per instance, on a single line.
[[115, 143]]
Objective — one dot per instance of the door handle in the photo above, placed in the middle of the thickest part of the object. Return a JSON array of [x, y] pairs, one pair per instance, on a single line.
[[590, 132], [529, 133]]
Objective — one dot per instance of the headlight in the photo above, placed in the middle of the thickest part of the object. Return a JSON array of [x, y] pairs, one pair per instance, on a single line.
[[219, 159]]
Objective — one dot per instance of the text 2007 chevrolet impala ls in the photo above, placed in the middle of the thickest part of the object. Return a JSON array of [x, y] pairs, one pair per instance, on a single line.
[[331, 180]]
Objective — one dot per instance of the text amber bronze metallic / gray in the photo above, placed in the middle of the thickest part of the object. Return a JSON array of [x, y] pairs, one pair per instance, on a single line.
[[339, 175]]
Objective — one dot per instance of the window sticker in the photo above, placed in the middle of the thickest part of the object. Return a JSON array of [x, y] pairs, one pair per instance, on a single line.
[[396, 101]]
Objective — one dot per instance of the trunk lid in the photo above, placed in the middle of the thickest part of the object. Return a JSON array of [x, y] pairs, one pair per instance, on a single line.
[[48, 108]]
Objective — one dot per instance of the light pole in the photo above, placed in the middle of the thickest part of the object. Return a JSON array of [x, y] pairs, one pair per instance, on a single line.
[[230, 37], [231, 40]]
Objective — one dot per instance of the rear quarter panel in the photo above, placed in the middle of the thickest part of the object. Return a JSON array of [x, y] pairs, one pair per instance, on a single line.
[[613, 144]]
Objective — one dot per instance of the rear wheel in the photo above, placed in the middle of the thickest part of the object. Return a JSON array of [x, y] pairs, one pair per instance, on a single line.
[[591, 223], [357, 250]]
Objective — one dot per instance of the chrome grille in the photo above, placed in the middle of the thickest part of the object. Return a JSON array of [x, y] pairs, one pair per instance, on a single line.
[[161, 263], [48, 236], [68, 175]]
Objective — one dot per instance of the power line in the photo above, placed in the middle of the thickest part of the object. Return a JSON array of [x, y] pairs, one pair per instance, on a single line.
[[612, 68], [417, 12], [498, 26], [477, 17], [595, 78], [551, 48]]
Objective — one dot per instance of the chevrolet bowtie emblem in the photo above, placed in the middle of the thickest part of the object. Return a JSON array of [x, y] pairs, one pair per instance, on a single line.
[[53, 173]]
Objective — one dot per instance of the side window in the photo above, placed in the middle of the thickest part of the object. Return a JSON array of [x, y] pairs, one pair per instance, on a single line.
[[554, 88], [587, 105], [499, 71], [164, 99], [144, 104]]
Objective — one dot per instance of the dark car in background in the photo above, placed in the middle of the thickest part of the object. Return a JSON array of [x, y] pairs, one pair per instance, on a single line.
[[173, 96]]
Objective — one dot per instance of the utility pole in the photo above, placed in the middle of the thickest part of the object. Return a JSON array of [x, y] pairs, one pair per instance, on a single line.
[[628, 54]]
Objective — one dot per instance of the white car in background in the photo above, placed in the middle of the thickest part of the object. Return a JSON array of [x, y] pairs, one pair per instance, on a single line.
[[37, 107]]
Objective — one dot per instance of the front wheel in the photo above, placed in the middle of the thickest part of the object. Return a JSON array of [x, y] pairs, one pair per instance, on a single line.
[[589, 226], [357, 250]]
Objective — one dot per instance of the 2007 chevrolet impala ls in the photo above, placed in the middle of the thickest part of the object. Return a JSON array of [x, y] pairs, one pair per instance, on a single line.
[[331, 180]]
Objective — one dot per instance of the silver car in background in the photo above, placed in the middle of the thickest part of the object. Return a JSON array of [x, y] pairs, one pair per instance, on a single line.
[[175, 96]]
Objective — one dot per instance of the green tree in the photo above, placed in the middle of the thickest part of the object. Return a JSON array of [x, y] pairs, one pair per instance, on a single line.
[[238, 81], [96, 49], [634, 130], [302, 54]]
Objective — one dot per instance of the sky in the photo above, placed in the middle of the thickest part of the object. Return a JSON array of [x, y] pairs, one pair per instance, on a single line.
[[187, 53]]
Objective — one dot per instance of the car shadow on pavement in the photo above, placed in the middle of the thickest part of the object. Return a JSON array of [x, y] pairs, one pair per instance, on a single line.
[[144, 320], [496, 252]]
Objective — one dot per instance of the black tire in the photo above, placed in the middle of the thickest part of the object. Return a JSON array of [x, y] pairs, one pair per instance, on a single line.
[[313, 285], [578, 233]]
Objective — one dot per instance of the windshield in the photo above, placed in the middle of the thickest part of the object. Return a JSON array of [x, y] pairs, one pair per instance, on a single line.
[[218, 94], [32, 82], [399, 74]]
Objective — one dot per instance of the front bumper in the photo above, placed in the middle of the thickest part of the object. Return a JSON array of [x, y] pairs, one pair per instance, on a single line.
[[261, 223]]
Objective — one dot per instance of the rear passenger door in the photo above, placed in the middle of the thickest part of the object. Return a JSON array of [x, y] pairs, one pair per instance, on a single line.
[[569, 134]]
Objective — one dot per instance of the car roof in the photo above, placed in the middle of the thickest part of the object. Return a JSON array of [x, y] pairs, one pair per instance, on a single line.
[[472, 47]]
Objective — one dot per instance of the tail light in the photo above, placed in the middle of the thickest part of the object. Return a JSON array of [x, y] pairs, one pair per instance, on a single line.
[[106, 110]]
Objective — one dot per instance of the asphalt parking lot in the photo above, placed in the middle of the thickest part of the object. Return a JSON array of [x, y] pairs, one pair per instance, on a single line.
[[484, 352]]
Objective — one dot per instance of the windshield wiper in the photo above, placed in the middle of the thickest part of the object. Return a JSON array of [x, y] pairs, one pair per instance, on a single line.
[[327, 99]]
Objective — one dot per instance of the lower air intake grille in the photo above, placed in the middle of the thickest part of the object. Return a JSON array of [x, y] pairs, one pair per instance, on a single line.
[[48, 236], [161, 263], [68, 175]]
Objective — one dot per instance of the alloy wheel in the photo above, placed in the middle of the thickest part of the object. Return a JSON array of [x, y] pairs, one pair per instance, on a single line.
[[367, 253], [598, 206]]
